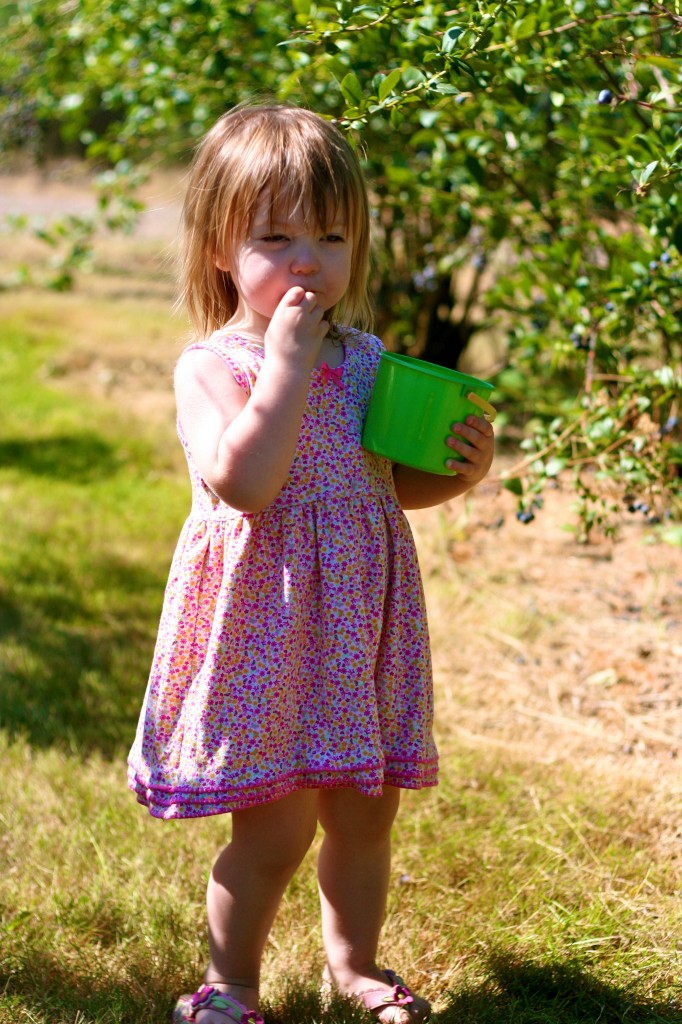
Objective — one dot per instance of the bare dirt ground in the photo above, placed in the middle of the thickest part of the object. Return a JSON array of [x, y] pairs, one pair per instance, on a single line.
[[65, 188], [542, 645], [551, 647]]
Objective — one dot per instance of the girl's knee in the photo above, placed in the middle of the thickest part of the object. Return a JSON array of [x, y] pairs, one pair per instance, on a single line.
[[352, 817], [278, 835]]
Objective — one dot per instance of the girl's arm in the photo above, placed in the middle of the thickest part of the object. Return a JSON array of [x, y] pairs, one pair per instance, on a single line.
[[243, 445], [474, 440]]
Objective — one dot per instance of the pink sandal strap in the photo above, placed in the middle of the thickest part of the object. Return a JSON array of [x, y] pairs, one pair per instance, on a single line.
[[380, 998], [209, 998], [377, 999]]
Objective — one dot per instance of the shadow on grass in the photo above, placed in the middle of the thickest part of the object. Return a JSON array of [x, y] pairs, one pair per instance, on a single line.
[[76, 458], [49, 990], [527, 992], [518, 992], [74, 655]]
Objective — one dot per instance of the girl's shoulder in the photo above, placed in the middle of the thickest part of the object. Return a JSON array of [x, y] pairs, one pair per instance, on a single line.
[[361, 341], [225, 341], [243, 356]]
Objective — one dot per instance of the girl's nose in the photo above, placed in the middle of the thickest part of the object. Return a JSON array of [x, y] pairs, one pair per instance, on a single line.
[[305, 259]]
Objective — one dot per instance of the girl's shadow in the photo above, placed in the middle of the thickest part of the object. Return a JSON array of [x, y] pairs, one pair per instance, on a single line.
[[520, 991], [516, 991]]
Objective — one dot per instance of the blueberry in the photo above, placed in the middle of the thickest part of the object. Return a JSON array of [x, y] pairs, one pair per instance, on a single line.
[[609, 307], [604, 97], [525, 516], [653, 265], [666, 257]]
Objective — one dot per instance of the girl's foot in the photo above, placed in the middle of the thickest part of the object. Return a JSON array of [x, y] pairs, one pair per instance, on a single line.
[[386, 996], [216, 1004]]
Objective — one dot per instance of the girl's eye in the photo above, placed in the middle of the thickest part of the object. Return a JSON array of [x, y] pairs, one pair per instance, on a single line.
[[335, 238], [274, 238]]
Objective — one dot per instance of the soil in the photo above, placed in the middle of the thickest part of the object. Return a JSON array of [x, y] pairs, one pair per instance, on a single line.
[[542, 645]]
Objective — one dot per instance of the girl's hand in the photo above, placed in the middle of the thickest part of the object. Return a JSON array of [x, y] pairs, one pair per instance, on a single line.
[[474, 440], [243, 445], [297, 328]]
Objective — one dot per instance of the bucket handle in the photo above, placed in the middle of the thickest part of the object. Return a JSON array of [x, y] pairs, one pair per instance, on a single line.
[[489, 411]]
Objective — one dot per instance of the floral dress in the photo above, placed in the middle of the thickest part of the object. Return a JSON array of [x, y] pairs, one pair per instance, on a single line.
[[293, 648]]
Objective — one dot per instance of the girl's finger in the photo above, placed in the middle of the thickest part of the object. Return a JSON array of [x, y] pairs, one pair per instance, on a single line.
[[475, 423], [465, 435]]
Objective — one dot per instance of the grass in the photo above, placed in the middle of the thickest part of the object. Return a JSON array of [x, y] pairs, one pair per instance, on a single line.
[[81, 573], [524, 890], [514, 897]]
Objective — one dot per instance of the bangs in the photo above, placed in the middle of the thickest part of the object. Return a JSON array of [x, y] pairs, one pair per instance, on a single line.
[[316, 210], [296, 172]]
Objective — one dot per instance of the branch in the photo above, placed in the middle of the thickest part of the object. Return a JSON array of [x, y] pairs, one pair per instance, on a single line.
[[507, 474]]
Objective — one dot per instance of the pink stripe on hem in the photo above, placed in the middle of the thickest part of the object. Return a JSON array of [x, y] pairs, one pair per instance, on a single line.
[[162, 805]]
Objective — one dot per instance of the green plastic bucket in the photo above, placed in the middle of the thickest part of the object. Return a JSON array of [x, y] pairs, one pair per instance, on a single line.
[[412, 407]]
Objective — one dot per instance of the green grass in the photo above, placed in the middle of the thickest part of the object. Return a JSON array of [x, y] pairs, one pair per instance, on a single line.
[[521, 893], [89, 512]]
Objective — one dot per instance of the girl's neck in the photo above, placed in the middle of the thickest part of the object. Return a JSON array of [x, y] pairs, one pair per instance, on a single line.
[[246, 330], [332, 351], [246, 334]]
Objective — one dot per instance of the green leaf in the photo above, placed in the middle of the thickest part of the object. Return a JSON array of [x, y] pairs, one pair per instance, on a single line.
[[450, 38], [412, 77], [677, 236], [388, 84], [351, 88], [515, 74], [427, 118], [555, 466], [515, 485], [648, 171], [526, 27], [474, 168], [658, 61]]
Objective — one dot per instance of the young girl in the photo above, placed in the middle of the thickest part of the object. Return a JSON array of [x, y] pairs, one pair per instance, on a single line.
[[291, 682]]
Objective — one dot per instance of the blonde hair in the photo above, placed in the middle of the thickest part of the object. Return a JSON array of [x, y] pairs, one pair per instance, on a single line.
[[301, 160]]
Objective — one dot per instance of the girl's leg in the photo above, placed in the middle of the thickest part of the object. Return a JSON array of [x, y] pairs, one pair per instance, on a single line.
[[353, 874], [245, 888]]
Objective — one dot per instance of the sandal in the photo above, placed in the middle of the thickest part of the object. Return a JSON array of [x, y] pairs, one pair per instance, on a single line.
[[375, 1000], [209, 998]]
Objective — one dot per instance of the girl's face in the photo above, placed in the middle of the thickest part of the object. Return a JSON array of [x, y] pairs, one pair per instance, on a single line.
[[290, 251]]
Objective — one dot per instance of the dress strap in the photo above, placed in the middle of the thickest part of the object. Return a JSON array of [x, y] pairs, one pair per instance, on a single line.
[[238, 356]]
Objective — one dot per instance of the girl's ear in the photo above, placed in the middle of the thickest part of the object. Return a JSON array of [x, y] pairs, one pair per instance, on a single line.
[[221, 261]]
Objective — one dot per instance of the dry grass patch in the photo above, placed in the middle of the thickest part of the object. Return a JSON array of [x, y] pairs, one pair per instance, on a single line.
[[544, 644]]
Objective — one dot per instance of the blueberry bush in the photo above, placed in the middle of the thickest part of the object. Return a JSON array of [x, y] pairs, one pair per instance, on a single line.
[[524, 158]]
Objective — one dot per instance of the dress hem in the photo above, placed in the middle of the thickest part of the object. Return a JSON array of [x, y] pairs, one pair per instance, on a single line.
[[167, 804]]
